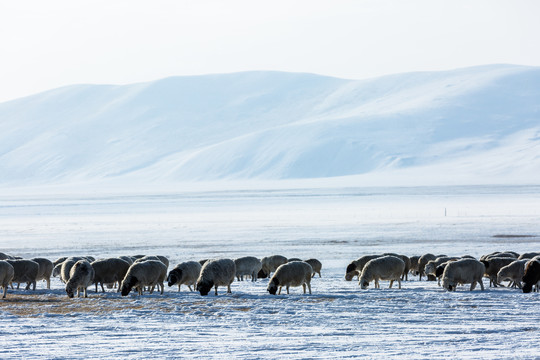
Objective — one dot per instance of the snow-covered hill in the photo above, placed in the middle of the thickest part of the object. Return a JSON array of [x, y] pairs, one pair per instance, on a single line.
[[473, 125]]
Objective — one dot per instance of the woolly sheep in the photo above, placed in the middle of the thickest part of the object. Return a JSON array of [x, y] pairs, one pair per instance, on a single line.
[[6, 275], [432, 265], [294, 259], [424, 259], [356, 267], [163, 259], [65, 268], [127, 259], [316, 265], [109, 271], [295, 273], [25, 271], [528, 255], [146, 273], [512, 272], [531, 275], [247, 265], [4, 256], [463, 271], [60, 260], [214, 273], [414, 264], [45, 270], [269, 264], [185, 273], [383, 268], [505, 254], [493, 265], [81, 276], [406, 260]]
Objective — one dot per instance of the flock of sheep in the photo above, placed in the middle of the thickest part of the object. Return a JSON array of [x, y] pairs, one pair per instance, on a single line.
[[144, 273]]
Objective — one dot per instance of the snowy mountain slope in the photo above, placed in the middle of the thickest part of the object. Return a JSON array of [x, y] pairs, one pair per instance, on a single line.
[[272, 125]]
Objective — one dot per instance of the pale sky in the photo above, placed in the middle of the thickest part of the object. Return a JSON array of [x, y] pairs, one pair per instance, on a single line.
[[47, 44]]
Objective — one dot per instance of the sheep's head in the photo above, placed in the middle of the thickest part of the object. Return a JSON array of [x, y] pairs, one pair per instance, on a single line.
[[364, 284], [351, 271], [127, 285], [204, 286], [527, 288], [70, 291], [439, 271], [174, 277], [273, 286], [449, 285], [261, 274]]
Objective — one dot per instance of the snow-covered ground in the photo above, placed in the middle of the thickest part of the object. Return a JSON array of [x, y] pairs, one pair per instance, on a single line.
[[335, 225]]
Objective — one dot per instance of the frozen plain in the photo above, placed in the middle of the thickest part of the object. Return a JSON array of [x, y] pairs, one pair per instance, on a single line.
[[335, 225]]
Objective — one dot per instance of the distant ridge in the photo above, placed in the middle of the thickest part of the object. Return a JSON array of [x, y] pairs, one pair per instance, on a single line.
[[473, 125]]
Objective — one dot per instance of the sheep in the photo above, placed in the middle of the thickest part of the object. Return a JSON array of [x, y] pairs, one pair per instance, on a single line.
[[506, 254], [528, 255], [146, 273], [81, 276], [6, 275], [295, 273], [382, 268], [216, 272], [203, 261], [60, 260], [432, 265], [531, 275], [65, 268], [414, 264], [127, 259], [45, 270], [513, 272], [25, 271], [406, 260], [355, 267], [294, 259], [185, 273], [463, 271], [109, 271], [424, 259], [440, 270], [269, 264], [316, 265], [493, 265], [247, 265], [4, 256], [163, 259]]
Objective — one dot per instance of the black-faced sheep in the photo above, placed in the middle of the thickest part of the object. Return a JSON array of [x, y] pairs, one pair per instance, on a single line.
[[464, 271], [316, 265], [356, 266], [383, 268], [512, 272], [493, 265], [6, 275], [432, 265], [269, 264], [109, 271], [45, 270], [295, 273], [249, 266], [147, 273], [26, 271], [81, 276], [214, 273], [424, 259], [185, 273], [531, 276]]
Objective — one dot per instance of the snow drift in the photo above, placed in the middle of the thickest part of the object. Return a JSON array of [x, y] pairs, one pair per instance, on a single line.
[[473, 125]]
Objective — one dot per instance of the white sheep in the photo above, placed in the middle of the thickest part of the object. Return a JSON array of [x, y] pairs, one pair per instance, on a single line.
[[81, 276], [383, 268], [185, 273], [295, 273], [6, 275], [269, 264], [147, 273], [493, 265], [406, 260], [247, 265], [109, 271], [45, 270], [316, 265], [463, 271], [512, 272], [356, 266], [25, 271], [214, 273], [161, 258], [127, 259], [422, 261], [65, 267], [432, 265]]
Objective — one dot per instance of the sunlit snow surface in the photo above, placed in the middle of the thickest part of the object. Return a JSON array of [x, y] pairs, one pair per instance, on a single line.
[[334, 225]]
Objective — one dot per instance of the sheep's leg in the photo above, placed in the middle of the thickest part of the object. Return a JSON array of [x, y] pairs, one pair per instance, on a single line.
[[309, 287], [399, 283], [304, 286], [229, 289], [18, 285], [162, 288], [102, 288], [215, 288], [279, 292], [473, 285], [85, 293], [288, 289], [189, 286], [152, 289], [5, 292]]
